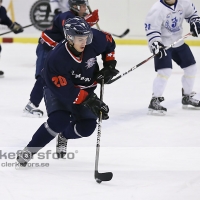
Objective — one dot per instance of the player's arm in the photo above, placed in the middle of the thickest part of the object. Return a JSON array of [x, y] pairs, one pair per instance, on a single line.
[[47, 41], [56, 29], [192, 18], [14, 26], [153, 24], [108, 57]]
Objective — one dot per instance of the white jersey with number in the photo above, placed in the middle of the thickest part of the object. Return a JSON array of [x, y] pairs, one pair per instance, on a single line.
[[164, 23], [59, 4]]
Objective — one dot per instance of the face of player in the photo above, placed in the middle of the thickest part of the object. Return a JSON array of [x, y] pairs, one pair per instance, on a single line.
[[82, 9], [80, 43], [170, 2]]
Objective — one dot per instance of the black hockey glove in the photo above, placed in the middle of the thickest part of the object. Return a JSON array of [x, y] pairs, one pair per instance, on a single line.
[[108, 72], [96, 106], [57, 11], [16, 28], [158, 49], [195, 27]]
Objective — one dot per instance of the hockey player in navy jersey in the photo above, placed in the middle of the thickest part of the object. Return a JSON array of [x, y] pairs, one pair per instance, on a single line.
[[48, 40], [163, 27], [13, 26], [71, 75]]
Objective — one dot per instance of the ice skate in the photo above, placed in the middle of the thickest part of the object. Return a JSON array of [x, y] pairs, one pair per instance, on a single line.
[[23, 158], [61, 146], [32, 111], [155, 108], [1, 74], [189, 102]]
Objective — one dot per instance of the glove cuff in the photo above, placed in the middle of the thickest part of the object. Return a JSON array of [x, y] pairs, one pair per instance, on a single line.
[[12, 25], [110, 63], [81, 97], [195, 19]]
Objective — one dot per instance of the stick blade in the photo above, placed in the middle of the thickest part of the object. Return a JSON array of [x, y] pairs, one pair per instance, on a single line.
[[99, 177], [125, 33]]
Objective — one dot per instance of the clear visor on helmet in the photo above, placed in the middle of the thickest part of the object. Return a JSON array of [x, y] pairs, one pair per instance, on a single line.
[[88, 41]]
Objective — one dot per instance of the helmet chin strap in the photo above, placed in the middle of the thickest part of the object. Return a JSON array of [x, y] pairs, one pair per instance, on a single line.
[[73, 50]]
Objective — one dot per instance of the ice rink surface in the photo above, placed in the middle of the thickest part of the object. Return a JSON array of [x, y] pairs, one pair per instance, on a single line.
[[151, 157]]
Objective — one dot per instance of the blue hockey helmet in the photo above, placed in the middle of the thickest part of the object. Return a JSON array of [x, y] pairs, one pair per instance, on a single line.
[[77, 26], [77, 3]]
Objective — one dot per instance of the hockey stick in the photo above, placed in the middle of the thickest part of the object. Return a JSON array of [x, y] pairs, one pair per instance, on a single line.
[[144, 61], [12, 31], [120, 36], [123, 34], [107, 176]]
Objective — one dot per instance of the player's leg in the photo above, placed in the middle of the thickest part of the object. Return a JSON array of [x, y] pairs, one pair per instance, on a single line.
[[59, 119], [185, 59], [83, 124], [1, 72], [36, 95], [31, 109], [56, 123], [163, 67]]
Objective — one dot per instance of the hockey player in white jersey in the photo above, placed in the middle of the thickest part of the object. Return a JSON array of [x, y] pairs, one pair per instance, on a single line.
[[163, 27]]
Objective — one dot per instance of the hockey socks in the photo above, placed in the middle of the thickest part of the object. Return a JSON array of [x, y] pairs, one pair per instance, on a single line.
[[37, 92]]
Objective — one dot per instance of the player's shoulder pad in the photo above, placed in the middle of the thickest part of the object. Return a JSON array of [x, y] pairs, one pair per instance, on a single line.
[[102, 36], [3, 9], [186, 3], [101, 41], [67, 15], [156, 10], [60, 19]]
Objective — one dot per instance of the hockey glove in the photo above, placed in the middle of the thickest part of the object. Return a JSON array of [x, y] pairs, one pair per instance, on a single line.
[[93, 103], [158, 49], [57, 11], [16, 28], [195, 27], [92, 18], [108, 72]]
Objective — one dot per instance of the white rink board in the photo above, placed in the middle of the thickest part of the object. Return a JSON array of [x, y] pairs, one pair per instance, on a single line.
[[115, 16]]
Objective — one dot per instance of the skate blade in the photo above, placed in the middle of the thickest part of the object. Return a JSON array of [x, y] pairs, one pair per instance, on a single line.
[[19, 167], [60, 155], [156, 112], [190, 107], [34, 115], [1, 76]]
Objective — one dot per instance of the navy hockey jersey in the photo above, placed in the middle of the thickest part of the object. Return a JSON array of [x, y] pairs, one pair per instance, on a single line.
[[66, 75], [4, 19], [52, 36]]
